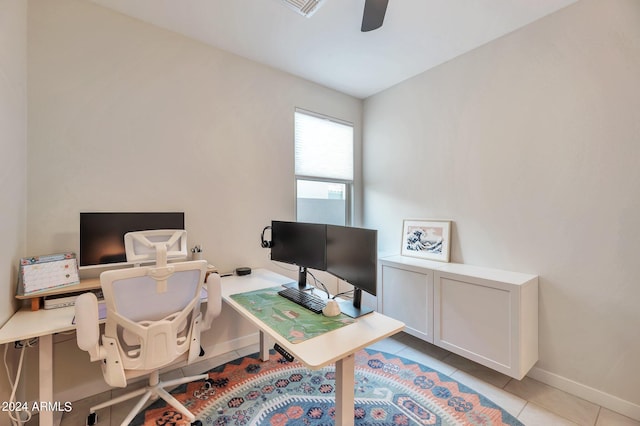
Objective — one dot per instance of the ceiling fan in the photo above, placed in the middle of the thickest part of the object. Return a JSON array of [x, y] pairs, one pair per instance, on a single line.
[[372, 18]]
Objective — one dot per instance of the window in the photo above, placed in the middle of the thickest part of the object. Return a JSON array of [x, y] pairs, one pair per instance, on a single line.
[[324, 169]]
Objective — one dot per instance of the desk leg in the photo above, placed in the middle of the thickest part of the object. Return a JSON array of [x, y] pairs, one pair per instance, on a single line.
[[45, 364], [264, 346], [345, 390]]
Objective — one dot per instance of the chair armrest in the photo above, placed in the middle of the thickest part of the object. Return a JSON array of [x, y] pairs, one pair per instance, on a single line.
[[214, 300], [87, 325]]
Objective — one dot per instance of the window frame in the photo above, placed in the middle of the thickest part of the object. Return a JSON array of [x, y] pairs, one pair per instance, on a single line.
[[349, 184], [348, 194]]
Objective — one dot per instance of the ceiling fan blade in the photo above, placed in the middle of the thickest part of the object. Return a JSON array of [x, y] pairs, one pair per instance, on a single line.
[[373, 16]]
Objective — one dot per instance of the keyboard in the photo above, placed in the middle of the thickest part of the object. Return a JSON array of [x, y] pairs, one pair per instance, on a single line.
[[304, 299]]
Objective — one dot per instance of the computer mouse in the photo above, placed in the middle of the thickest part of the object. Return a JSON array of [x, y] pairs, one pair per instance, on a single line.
[[332, 309]]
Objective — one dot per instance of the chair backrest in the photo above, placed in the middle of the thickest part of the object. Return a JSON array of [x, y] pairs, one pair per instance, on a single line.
[[157, 244], [152, 311]]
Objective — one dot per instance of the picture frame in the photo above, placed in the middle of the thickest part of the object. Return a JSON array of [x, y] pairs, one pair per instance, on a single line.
[[426, 239]]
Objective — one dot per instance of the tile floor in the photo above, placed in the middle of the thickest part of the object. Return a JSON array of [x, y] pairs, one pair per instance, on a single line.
[[532, 402]]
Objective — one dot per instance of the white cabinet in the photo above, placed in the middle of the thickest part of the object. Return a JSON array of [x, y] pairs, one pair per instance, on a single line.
[[407, 295], [486, 315]]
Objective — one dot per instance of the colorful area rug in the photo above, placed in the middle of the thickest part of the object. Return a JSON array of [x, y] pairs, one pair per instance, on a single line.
[[389, 390]]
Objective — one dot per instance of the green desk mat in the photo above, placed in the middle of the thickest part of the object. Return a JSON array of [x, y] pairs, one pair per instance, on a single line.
[[291, 321]]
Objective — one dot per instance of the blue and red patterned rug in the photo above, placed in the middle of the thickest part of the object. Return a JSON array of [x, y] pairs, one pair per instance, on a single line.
[[389, 390]]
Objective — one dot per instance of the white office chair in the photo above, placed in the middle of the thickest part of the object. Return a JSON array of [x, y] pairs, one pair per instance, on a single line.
[[153, 320]]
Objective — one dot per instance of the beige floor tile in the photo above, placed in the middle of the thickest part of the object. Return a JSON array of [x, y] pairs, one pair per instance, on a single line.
[[426, 347], [427, 360], [561, 403], [533, 415], [480, 371], [389, 345], [508, 401], [120, 411], [610, 418], [80, 411], [176, 373]]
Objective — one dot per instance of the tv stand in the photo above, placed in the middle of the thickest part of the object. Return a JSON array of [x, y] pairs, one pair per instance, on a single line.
[[302, 281]]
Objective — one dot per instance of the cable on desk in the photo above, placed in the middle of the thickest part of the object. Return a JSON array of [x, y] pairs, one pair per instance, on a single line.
[[324, 288], [344, 293], [14, 415], [316, 281]]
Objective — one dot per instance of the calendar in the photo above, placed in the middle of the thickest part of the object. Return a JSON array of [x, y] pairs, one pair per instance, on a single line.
[[40, 273]]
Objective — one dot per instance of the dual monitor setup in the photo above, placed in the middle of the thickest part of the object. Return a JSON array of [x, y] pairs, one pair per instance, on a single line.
[[346, 252]]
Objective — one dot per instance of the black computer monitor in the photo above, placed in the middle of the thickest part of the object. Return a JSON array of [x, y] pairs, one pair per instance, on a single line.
[[300, 244], [352, 255], [102, 233]]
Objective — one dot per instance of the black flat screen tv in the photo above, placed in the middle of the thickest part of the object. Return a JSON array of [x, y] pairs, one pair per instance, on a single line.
[[102, 233]]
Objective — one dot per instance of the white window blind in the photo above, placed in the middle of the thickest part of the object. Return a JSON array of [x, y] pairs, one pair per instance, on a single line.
[[323, 147]]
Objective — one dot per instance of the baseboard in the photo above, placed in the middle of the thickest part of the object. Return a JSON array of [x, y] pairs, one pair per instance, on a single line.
[[92, 386], [216, 349], [585, 392]]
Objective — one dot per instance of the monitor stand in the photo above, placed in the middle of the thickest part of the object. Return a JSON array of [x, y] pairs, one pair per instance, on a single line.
[[355, 309], [302, 281]]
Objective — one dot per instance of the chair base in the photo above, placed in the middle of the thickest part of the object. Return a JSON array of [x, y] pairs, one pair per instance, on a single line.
[[154, 390]]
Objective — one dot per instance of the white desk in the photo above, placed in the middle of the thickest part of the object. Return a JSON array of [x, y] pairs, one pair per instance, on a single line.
[[337, 346], [26, 324]]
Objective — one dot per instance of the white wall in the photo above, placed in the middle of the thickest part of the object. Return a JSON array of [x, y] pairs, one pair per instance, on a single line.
[[13, 156], [530, 145], [124, 116]]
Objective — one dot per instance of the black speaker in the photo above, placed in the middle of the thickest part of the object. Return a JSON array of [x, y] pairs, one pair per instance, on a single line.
[[243, 271]]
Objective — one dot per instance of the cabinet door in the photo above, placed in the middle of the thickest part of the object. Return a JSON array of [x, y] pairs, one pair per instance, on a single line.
[[408, 297], [477, 319]]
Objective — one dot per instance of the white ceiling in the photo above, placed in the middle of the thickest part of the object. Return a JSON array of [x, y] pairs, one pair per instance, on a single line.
[[328, 48]]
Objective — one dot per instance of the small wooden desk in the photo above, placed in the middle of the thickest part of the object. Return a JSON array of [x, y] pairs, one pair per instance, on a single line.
[[337, 346]]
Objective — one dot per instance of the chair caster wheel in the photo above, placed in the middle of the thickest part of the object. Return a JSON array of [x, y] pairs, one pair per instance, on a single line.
[[196, 423], [92, 419]]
